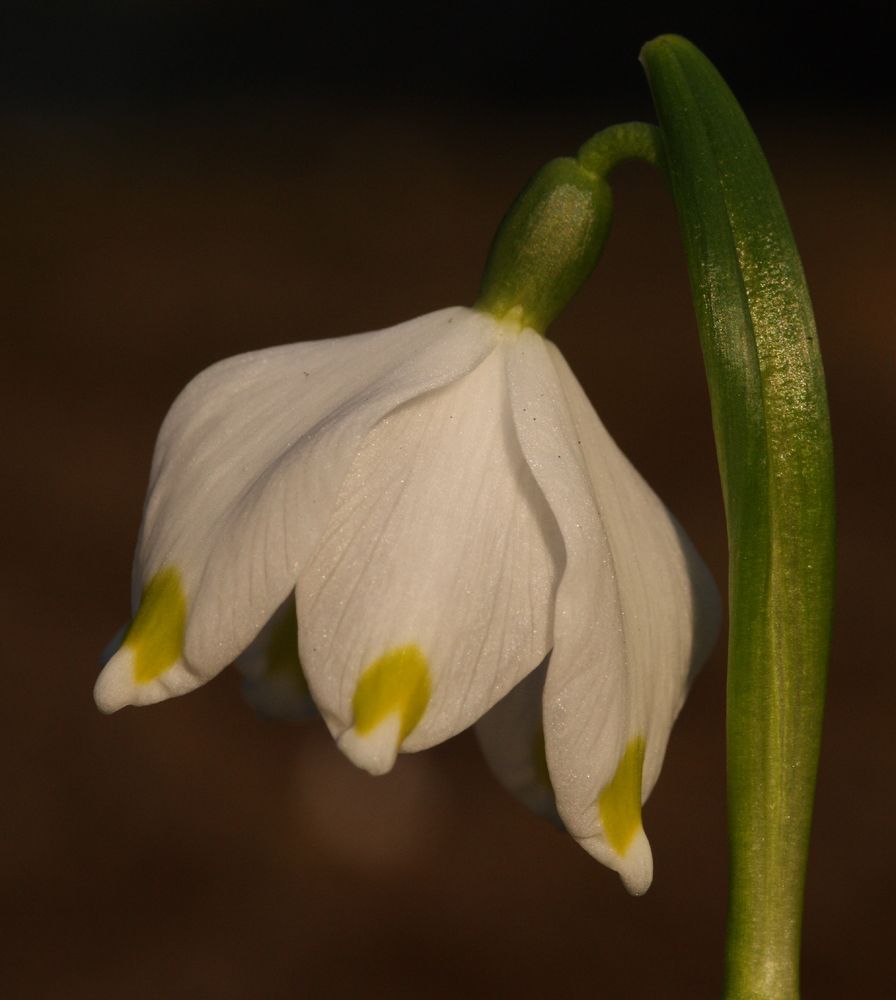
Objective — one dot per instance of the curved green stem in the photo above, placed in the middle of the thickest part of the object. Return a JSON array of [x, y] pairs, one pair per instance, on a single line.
[[613, 145]]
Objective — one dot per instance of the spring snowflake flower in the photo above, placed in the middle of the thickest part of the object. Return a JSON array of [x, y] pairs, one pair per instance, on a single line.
[[445, 512]]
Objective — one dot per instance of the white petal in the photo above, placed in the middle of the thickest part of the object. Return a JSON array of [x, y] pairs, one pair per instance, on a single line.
[[438, 568], [511, 736], [247, 468], [636, 613]]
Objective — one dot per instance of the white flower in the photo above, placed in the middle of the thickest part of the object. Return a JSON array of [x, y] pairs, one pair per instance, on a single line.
[[448, 510]]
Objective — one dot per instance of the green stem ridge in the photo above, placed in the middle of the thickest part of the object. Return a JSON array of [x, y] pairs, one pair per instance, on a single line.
[[773, 441]]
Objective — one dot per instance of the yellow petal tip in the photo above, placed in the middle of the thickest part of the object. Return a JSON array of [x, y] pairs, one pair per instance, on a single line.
[[619, 803], [397, 683], [155, 637], [374, 751], [635, 868], [390, 698]]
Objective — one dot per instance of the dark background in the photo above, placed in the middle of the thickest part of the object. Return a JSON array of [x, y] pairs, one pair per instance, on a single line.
[[184, 181], [142, 54]]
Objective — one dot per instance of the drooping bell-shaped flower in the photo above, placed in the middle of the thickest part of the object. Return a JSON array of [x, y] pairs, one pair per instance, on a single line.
[[443, 510]]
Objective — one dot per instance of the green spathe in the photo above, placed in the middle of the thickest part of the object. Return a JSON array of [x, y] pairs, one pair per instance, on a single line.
[[553, 235], [546, 246]]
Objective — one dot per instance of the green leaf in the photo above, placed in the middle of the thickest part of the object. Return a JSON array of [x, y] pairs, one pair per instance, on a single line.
[[774, 449]]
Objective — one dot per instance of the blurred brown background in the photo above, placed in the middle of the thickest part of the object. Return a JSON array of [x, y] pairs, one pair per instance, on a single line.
[[177, 187]]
